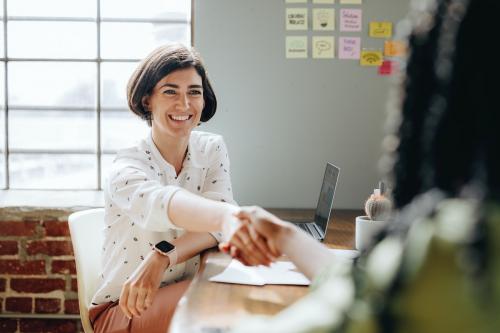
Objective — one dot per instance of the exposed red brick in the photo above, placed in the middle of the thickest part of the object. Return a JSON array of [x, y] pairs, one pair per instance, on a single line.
[[8, 325], [2, 284], [56, 228], [19, 304], [21, 228], [30, 267], [31, 285], [71, 306], [74, 285], [48, 325], [47, 305], [64, 266], [53, 248], [8, 247]]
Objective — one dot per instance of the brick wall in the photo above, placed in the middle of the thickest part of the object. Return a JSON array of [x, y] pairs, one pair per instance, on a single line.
[[37, 271]]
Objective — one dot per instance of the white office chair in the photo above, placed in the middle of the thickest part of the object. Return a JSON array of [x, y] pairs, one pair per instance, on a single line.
[[86, 229]]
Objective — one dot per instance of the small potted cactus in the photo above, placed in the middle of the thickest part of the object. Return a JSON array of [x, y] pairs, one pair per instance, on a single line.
[[378, 210]]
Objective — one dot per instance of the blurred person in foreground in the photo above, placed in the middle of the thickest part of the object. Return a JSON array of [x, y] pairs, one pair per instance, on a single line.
[[437, 267]]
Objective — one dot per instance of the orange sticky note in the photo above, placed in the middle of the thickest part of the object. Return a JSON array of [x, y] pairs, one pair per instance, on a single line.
[[394, 48]]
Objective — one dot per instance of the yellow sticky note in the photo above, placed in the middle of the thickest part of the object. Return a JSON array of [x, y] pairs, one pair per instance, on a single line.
[[296, 47], [296, 19], [323, 47], [394, 48], [371, 58], [296, 1], [324, 19], [380, 29], [324, 1], [351, 2]]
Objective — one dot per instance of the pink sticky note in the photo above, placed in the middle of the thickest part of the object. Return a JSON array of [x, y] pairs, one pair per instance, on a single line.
[[349, 47], [350, 19], [388, 67]]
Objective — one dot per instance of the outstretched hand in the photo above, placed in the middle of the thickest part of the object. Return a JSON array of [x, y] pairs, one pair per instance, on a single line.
[[261, 233]]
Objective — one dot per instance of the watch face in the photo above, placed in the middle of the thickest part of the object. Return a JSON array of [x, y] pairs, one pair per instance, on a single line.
[[164, 246]]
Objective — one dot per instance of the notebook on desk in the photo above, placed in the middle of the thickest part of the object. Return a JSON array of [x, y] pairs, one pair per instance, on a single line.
[[319, 226]]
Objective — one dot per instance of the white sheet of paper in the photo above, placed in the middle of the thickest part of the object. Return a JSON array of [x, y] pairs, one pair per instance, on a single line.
[[280, 272]]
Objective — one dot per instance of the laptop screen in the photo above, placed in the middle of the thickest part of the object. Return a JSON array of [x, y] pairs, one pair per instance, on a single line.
[[325, 201]]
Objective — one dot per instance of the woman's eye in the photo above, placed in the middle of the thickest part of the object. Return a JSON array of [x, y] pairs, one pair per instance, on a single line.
[[195, 92], [169, 92]]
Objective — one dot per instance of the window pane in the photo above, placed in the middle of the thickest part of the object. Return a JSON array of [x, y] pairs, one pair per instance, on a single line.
[[52, 84], [179, 9], [114, 83], [106, 162], [2, 53], [51, 171], [121, 129], [52, 130], [136, 40], [2, 125], [52, 40], [60, 8]]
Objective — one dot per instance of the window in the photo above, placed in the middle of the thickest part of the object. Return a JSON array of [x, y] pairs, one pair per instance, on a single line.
[[64, 66]]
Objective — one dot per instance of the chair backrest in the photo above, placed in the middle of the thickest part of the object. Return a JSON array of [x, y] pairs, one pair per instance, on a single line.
[[86, 229]]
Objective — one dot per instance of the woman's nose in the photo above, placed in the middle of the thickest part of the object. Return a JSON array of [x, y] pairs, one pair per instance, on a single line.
[[183, 101]]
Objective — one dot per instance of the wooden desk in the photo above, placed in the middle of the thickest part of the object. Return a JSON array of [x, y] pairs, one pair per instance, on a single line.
[[210, 307]]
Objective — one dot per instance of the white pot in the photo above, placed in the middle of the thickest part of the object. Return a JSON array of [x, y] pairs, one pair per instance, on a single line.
[[366, 229]]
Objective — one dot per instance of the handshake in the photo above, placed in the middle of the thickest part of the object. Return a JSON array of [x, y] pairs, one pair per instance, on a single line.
[[256, 237]]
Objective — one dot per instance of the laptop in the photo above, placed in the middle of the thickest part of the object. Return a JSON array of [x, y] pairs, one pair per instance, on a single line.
[[317, 228]]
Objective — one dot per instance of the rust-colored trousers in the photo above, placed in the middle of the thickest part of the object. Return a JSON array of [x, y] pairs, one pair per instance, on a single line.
[[109, 318]]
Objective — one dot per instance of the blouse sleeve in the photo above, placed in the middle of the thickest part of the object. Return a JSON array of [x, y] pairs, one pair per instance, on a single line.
[[217, 185], [141, 197]]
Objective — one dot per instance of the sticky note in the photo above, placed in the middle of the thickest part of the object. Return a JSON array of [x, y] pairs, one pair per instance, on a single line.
[[324, 1], [296, 1], [371, 58], [380, 29], [323, 19], [296, 19], [388, 67], [349, 47], [350, 19], [350, 2], [394, 48], [323, 47], [296, 47]]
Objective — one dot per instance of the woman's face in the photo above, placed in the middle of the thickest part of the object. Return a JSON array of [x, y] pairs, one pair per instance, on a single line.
[[176, 103]]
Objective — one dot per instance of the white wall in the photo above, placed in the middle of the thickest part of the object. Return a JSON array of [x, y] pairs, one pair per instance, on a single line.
[[284, 119]]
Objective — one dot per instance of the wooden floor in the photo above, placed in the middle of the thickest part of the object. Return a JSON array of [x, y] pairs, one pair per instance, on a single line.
[[340, 229]]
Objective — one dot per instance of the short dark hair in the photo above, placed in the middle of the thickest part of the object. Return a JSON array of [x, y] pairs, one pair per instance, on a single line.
[[159, 63]]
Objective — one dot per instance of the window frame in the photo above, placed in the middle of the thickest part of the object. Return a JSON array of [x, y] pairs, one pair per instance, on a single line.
[[98, 109]]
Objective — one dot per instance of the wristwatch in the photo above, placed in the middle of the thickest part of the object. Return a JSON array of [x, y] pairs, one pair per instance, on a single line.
[[167, 249]]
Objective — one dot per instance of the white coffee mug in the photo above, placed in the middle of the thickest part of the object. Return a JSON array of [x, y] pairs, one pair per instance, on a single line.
[[366, 229]]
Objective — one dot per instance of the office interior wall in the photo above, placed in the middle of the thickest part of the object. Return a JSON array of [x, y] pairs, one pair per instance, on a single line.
[[283, 119]]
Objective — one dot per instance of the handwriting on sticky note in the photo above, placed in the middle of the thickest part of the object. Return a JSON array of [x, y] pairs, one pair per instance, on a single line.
[[394, 48], [371, 58], [380, 29], [296, 19], [349, 47], [350, 19]]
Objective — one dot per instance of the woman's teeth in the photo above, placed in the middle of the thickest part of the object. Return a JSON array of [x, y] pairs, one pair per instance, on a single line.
[[179, 118]]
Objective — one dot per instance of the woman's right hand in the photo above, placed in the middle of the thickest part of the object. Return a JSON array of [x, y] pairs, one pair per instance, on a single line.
[[262, 228], [247, 245], [141, 287]]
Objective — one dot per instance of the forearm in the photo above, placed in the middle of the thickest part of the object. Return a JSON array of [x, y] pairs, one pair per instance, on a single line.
[[197, 214], [192, 243], [309, 255]]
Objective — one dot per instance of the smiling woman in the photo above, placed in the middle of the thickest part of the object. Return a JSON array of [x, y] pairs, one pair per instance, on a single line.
[[171, 92]]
